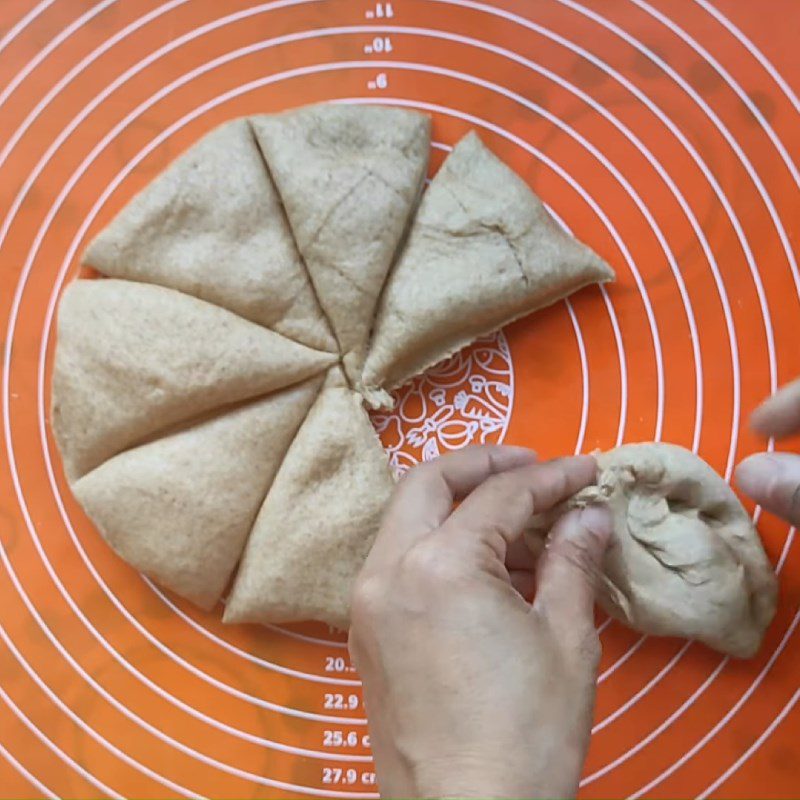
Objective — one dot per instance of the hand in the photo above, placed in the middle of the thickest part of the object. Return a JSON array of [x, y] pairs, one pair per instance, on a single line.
[[773, 479], [470, 690]]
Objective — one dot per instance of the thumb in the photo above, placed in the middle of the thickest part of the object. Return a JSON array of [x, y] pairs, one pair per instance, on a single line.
[[570, 568], [773, 481]]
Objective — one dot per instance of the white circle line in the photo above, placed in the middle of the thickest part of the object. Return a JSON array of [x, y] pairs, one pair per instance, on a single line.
[[786, 548], [58, 702], [642, 743], [607, 673], [753, 50], [118, 81], [648, 53], [584, 377], [681, 33], [585, 387], [725, 719], [42, 54], [765, 734], [631, 701], [20, 768], [55, 749], [602, 626], [623, 363], [23, 23], [586, 392], [237, 651]]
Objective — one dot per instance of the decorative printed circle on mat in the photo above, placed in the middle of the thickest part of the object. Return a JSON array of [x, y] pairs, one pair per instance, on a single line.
[[464, 400]]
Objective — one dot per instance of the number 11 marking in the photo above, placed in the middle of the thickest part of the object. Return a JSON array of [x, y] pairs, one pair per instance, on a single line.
[[381, 11]]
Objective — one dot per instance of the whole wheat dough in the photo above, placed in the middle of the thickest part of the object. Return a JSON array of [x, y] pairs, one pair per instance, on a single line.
[[181, 381], [180, 508], [212, 225], [685, 559], [349, 177], [133, 358], [482, 252], [319, 520]]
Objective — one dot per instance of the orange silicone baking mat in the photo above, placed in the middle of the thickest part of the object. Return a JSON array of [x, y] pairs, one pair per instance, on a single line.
[[661, 132]]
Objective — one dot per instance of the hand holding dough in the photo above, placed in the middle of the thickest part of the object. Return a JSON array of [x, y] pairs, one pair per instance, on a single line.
[[685, 559]]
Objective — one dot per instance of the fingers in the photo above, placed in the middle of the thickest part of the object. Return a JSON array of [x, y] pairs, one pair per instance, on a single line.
[[773, 481], [570, 568], [780, 414], [499, 508], [424, 499]]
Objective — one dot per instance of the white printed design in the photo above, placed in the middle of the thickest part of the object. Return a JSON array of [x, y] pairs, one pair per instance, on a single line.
[[466, 399]]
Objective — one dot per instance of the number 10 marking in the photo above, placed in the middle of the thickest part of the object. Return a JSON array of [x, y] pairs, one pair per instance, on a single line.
[[380, 44]]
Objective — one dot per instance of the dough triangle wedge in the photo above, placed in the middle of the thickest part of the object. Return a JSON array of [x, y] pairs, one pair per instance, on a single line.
[[349, 178], [179, 508], [318, 521], [482, 251], [133, 358], [212, 225]]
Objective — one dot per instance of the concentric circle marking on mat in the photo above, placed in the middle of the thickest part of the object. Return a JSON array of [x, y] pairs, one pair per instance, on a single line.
[[126, 119], [741, 233], [23, 23], [765, 313], [41, 419], [32, 779]]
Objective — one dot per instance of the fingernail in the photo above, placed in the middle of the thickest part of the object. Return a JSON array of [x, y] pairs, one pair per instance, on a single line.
[[755, 473], [597, 519]]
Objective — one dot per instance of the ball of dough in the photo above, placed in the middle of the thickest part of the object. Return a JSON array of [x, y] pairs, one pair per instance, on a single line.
[[685, 559]]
